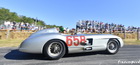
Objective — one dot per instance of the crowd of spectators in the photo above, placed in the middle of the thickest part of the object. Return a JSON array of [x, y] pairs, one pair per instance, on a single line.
[[18, 26], [81, 27], [94, 26]]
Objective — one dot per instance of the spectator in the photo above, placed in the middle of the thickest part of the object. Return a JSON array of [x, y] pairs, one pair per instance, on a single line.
[[94, 26]]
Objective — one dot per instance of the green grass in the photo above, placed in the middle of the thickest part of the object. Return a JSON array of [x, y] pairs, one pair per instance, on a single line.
[[17, 42], [131, 42], [10, 43]]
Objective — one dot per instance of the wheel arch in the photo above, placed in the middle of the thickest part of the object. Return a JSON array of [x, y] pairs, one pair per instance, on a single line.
[[59, 40]]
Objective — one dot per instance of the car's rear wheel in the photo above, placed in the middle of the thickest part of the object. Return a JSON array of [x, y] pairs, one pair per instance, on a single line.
[[54, 49], [112, 46]]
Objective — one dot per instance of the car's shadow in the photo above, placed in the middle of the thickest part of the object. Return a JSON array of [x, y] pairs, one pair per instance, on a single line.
[[17, 55]]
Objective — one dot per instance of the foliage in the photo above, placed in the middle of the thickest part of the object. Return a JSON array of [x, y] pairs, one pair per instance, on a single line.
[[6, 15], [52, 26]]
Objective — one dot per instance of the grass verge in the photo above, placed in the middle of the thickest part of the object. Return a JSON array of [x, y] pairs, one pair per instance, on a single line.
[[10, 43], [131, 42]]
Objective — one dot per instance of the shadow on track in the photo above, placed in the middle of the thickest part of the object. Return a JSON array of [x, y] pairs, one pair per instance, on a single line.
[[17, 55]]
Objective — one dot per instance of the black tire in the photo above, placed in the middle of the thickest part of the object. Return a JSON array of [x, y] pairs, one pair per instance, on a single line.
[[112, 46], [54, 49]]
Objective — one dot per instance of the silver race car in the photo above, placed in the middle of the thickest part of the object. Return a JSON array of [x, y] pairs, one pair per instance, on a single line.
[[55, 45]]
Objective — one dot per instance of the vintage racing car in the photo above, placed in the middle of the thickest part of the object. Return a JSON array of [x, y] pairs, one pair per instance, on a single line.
[[55, 45]]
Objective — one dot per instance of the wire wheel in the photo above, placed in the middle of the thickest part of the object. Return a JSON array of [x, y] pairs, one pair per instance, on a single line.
[[112, 46], [55, 49]]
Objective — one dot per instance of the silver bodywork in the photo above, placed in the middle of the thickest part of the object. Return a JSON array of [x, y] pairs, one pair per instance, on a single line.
[[36, 42]]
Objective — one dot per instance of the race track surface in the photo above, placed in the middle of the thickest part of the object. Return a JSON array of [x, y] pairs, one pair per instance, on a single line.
[[128, 55]]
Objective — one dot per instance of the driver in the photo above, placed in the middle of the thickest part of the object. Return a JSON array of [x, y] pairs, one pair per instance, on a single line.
[[61, 29]]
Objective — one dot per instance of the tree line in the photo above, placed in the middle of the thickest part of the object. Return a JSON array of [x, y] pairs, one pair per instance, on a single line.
[[6, 15]]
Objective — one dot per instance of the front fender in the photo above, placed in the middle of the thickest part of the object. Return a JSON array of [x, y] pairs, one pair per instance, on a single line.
[[36, 44]]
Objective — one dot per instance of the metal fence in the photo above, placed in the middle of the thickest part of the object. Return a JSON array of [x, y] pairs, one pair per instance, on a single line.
[[17, 34], [125, 34]]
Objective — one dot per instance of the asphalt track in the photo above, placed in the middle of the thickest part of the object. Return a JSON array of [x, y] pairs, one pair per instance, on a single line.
[[128, 55]]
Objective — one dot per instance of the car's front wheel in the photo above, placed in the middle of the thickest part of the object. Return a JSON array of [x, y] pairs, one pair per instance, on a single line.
[[54, 49], [112, 46]]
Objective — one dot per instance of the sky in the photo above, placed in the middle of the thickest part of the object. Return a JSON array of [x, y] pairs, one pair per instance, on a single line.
[[67, 12]]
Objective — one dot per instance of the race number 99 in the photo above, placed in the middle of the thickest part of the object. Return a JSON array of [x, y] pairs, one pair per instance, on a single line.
[[75, 40]]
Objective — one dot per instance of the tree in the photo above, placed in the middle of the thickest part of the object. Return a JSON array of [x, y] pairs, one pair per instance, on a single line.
[[40, 23], [6, 15], [52, 26], [13, 16]]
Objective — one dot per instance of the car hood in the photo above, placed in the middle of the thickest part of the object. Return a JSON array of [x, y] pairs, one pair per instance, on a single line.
[[44, 31]]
